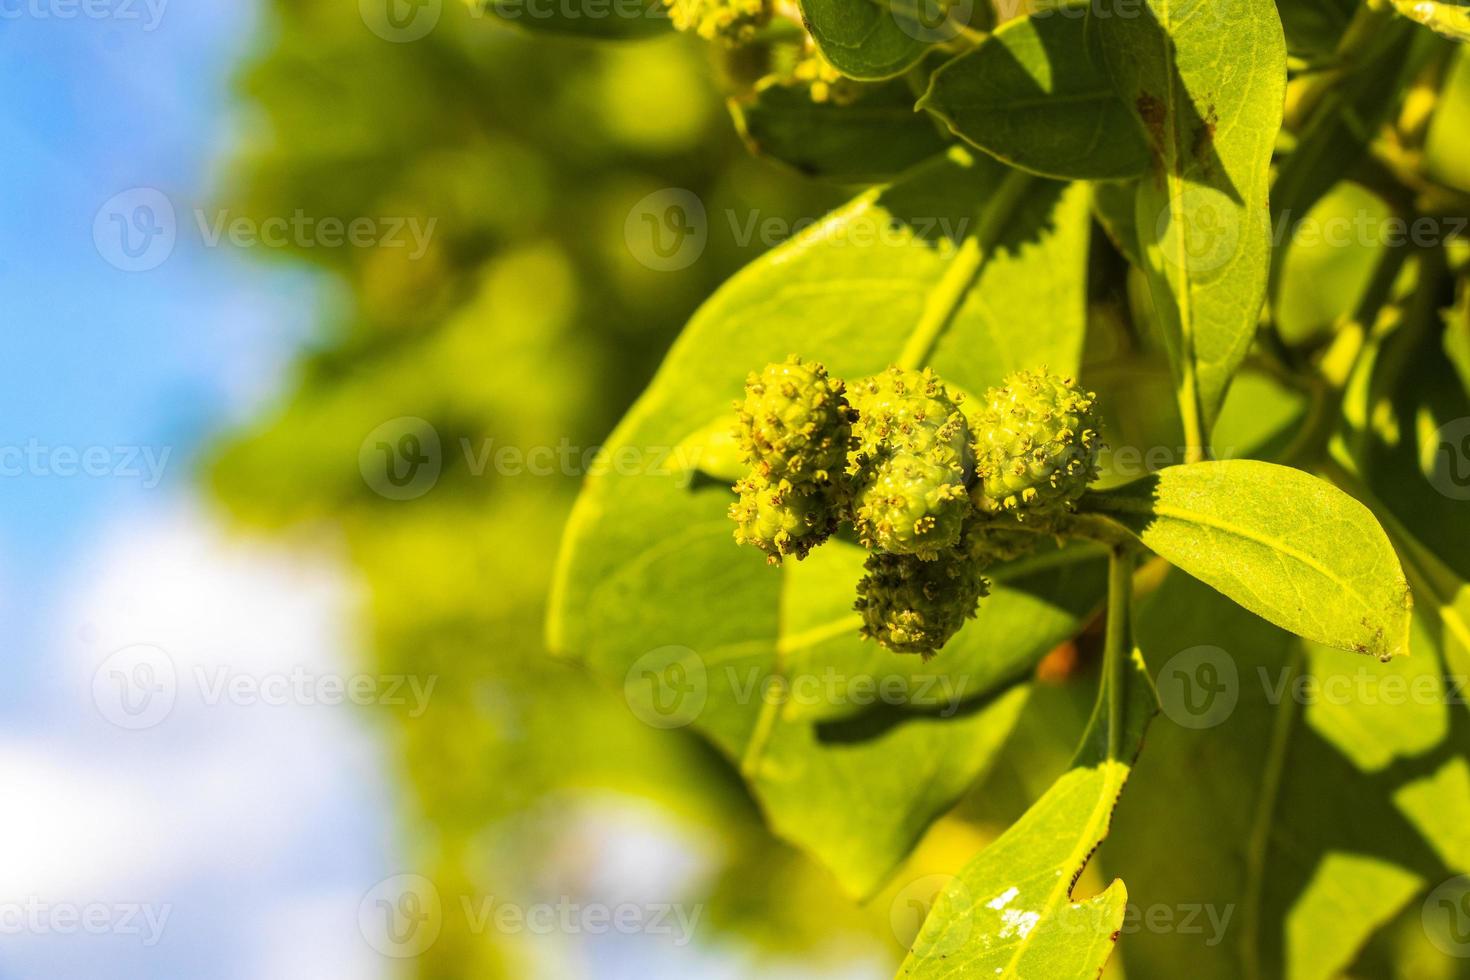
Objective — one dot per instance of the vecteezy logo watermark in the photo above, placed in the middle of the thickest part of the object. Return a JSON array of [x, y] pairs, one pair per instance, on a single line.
[[400, 21], [910, 909], [302, 230], [150, 12], [305, 688], [1199, 687], [401, 459], [1446, 917], [1185, 919], [401, 916], [667, 230], [568, 917], [34, 459], [135, 687], [135, 231], [574, 10], [566, 459], [667, 687], [1200, 230], [39, 918], [1451, 475], [932, 21]]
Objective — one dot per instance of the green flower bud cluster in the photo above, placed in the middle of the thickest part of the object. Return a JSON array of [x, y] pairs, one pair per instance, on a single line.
[[935, 495], [732, 22], [795, 427], [1036, 447], [914, 606], [910, 465]]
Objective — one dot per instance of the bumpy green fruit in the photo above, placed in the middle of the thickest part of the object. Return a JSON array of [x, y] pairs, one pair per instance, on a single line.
[[914, 606], [730, 21], [1036, 445], [912, 506], [911, 412], [781, 519], [910, 464], [795, 423]]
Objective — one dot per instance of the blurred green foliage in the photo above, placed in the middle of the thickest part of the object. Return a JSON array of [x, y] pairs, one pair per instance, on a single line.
[[528, 322]]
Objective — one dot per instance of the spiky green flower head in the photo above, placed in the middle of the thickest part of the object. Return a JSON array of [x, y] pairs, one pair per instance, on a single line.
[[910, 463], [914, 606], [904, 411], [781, 519], [731, 22], [1036, 446], [795, 423], [911, 506]]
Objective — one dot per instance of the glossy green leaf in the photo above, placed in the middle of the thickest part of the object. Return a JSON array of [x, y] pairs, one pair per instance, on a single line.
[[874, 138], [1011, 912], [654, 595], [1286, 545], [1308, 797], [1205, 81], [1328, 263], [1032, 96], [1451, 20], [1447, 144], [868, 39]]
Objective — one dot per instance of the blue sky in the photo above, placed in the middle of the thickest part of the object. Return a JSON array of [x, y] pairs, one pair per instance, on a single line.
[[96, 356], [260, 848]]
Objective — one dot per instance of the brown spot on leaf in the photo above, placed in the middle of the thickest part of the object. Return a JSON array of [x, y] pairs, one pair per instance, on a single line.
[[1204, 137], [1153, 113]]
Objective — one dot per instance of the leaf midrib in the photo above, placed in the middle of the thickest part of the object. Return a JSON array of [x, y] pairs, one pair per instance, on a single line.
[[1227, 527]]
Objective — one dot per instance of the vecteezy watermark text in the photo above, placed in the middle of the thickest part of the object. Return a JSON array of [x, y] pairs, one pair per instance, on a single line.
[[35, 917], [302, 230], [37, 459], [137, 230], [148, 12], [137, 687], [402, 916]]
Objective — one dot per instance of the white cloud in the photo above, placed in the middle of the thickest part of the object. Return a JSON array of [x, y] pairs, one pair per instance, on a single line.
[[217, 806]]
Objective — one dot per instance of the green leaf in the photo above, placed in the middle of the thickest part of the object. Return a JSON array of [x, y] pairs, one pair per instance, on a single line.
[[1289, 547], [1457, 335], [597, 19], [1206, 82], [1326, 268], [653, 594], [872, 139], [1451, 20], [866, 38], [1447, 144], [1010, 913], [1032, 96], [1309, 797], [1114, 204]]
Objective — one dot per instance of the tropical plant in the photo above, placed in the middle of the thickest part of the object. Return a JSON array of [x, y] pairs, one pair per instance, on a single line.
[[1239, 224]]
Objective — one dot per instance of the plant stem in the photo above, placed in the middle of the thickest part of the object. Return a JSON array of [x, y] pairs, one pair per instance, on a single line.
[[947, 298], [1117, 647]]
